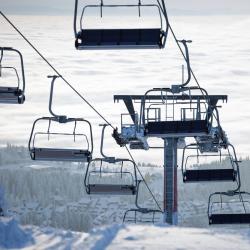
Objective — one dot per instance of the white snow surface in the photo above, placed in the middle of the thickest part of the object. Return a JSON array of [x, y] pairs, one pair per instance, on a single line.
[[14, 236]]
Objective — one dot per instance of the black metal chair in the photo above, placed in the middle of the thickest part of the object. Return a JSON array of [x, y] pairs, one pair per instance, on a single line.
[[134, 38], [194, 173], [112, 179], [107, 181], [232, 211], [79, 153], [140, 214], [12, 94]]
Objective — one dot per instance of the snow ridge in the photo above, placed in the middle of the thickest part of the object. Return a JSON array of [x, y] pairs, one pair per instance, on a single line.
[[12, 235]]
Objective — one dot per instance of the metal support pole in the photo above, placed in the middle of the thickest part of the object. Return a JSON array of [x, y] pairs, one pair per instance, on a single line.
[[170, 181]]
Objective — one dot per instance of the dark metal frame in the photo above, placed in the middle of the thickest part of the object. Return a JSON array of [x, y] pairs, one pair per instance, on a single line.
[[112, 160], [229, 218], [62, 120], [160, 6], [140, 210], [232, 156], [13, 95]]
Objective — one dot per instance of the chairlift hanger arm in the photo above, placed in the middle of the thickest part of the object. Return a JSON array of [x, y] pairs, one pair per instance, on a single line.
[[102, 141], [184, 42], [51, 97]]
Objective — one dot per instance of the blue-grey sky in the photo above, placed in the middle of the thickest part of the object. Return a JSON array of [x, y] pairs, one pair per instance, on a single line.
[[196, 7]]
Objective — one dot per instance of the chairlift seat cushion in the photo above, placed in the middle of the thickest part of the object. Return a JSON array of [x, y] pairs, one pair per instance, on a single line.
[[243, 218], [111, 189], [51, 154], [185, 128], [11, 95], [209, 175], [120, 38]]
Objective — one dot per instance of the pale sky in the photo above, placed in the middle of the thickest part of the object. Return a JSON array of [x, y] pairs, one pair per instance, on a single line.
[[195, 7]]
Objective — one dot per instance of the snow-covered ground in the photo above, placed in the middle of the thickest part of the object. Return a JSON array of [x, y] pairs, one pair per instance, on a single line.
[[12, 235]]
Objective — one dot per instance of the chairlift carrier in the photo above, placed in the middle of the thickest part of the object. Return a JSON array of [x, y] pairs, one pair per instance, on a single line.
[[110, 188], [170, 108], [12, 94], [60, 154], [134, 38], [229, 217], [209, 175], [140, 210]]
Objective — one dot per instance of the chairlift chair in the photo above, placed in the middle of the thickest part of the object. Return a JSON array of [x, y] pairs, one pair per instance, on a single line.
[[112, 179], [110, 38], [140, 214], [180, 112], [224, 208], [83, 154], [192, 173], [12, 94]]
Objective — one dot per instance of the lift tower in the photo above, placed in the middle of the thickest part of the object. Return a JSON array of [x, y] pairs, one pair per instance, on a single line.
[[172, 117]]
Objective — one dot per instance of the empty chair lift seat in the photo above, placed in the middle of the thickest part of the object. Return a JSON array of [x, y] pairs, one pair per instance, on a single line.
[[120, 38], [51, 154], [113, 189], [229, 218], [11, 95], [209, 175], [185, 128]]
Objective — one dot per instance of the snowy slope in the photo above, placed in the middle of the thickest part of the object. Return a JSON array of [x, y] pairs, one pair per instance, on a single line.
[[12, 235]]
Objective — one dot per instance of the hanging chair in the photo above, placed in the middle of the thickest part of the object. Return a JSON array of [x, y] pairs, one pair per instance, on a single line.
[[140, 214], [222, 166], [10, 94], [47, 143], [110, 175], [122, 38]]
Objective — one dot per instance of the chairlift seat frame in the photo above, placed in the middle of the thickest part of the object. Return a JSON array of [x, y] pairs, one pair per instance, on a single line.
[[216, 218], [209, 175], [60, 154], [140, 210], [137, 211], [109, 188], [112, 38], [13, 95]]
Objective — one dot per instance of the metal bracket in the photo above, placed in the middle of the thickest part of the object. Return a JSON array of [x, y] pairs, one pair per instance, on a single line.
[[60, 118]]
